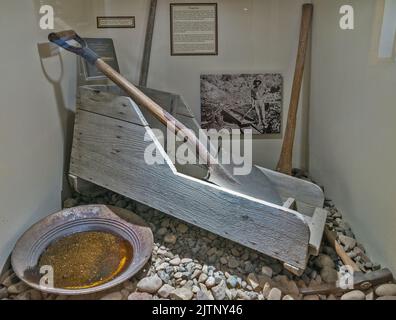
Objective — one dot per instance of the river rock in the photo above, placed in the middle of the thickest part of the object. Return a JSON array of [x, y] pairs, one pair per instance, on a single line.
[[252, 281], [274, 294], [323, 260], [219, 291], [182, 294], [267, 271], [175, 261], [348, 242], [182, 228], [233, 263], [210, 282], [170, 238], [150, 284], [354, 295], [329, 275], [112, 296], [140, 296], [287, 297], [165, 291], [388, 289], [202, 277]]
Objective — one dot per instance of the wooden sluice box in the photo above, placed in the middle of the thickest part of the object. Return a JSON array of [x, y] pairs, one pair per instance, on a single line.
[[111, 135]]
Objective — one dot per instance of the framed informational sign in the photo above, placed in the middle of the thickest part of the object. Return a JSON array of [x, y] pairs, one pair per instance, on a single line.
[[104, 47], [115, 22], [194, 29]]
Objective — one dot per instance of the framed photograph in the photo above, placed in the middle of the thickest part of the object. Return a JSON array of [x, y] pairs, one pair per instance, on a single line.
[[115, 22], [104, 47], [242, 101], [194, 29]]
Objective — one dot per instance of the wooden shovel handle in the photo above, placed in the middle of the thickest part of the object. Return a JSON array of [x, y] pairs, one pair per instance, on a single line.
[[62, 39], [163, 116], [286, 157]]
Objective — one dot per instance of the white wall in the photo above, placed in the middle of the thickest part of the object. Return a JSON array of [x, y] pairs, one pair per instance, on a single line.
[[35, 115], [352, 132]]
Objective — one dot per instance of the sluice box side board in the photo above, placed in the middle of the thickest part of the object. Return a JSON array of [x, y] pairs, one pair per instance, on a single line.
[[109, 152]]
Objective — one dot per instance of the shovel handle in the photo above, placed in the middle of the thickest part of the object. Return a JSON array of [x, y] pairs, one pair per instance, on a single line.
[[64, 39]]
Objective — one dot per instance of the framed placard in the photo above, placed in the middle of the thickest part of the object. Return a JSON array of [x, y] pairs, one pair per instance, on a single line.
[[115, 22], [194, 29], [104, 47]]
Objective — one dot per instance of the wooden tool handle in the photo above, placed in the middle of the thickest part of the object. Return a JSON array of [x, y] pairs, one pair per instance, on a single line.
[[164, 117], [286, 157], [65, 40]]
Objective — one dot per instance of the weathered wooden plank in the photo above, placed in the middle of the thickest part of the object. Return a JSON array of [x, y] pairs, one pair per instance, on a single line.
[[111, 105], [303, 191], [316, 225], [110, 153]]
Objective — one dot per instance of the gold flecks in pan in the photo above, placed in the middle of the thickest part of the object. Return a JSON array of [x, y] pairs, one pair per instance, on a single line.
[[87, 259]]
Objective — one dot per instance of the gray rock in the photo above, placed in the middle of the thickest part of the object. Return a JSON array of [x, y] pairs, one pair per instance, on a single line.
[[274, 294], [162, 231], [140, 296], [203, 277], [175, 261], [233, 263], [112, 296], [388, 289], [10, 280], [232, 282], [329, 275], [210, 282], [204, 295], [182, 294], [354, 295], [165, 291], [182, 228], [219, 291], [150, 284], [348, 242], [186, 260]]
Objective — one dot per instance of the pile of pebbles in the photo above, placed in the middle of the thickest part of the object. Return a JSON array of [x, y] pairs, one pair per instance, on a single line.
[[189, 263]]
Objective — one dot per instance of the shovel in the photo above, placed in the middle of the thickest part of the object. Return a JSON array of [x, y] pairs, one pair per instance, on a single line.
[[256, 184]]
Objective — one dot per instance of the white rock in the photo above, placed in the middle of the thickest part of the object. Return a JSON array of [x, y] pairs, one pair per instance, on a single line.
[[274, 294], [150, 284], [140, 296], [202, 277], [182, 294], [175, 261], [252, 281], [287, 297], [165, 291], [388, 289], [354, 295], [210, 282], [267, 271]]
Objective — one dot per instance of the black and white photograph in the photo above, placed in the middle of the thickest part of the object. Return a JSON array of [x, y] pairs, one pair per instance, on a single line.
[[242, 101]]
